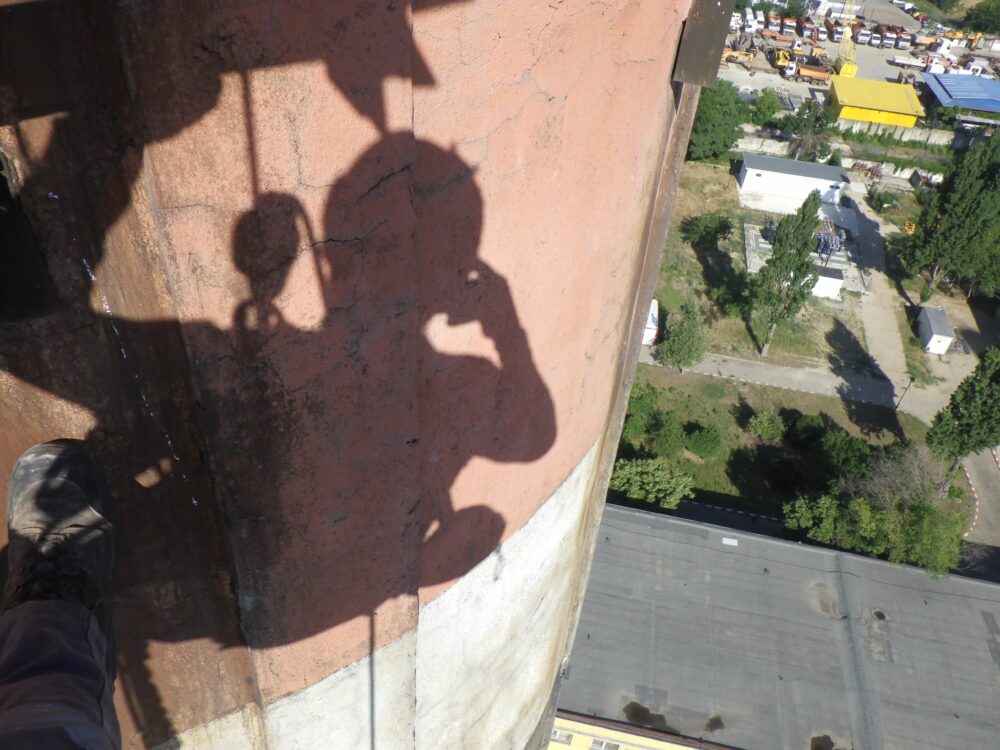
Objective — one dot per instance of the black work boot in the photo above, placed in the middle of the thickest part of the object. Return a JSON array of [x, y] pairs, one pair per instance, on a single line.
[[61, 542]]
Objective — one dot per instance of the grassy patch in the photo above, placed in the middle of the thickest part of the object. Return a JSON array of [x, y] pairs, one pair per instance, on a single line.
[[913, 350], [748, 474], [699, 274], [906, 209]]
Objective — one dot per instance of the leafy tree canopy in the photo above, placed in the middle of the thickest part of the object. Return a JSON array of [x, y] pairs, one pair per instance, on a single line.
[[984, 16], [781, 287], [958, 233], [717, 122], [651, 480], [767, 106], [890, 511], [971, 420], [684, 342], [767, 426]]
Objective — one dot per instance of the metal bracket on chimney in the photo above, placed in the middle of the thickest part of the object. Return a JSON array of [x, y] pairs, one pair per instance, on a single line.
[[702, 41]]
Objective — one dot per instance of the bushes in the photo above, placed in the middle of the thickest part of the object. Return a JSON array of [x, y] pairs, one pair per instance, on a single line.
[[704, 442], [767, 427], [881, 200], [667, 435]]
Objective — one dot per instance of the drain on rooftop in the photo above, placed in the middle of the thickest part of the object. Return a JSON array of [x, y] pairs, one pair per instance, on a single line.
[[878, 614]]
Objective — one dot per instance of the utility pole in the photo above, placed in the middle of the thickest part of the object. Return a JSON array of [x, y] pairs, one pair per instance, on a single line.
[[912, 379]]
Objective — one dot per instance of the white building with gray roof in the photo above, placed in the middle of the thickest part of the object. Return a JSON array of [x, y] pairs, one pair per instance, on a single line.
[[771, 183]]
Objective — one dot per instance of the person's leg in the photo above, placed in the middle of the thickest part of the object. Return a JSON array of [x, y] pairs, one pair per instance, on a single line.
[[56, 645]]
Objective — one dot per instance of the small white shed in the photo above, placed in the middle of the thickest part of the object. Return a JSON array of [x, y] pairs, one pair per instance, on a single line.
[[829, 282], [788, 181], [936, 333], [652, 324]]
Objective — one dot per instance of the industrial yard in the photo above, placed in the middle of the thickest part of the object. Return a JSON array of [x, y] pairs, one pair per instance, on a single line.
[[799, 57]]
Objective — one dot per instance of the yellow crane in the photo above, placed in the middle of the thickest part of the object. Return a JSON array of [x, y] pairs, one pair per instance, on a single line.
[[845, 64]]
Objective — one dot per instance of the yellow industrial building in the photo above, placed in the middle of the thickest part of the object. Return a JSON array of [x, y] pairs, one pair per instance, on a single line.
[[875, 101], [576, 732]]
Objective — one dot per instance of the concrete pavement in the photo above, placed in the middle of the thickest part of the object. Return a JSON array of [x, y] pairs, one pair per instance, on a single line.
[[854, 386]]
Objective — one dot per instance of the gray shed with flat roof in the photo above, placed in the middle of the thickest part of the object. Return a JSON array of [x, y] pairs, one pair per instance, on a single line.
[[764, 644], [934, 329]]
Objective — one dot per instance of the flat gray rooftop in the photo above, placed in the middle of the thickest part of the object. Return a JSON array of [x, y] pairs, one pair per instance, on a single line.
[[795, 167], [764, 644]]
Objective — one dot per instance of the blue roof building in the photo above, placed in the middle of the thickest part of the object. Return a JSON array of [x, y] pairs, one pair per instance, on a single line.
[[965, 92]]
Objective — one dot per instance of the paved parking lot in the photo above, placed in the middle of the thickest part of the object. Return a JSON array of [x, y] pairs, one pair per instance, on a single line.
[[873, 62]]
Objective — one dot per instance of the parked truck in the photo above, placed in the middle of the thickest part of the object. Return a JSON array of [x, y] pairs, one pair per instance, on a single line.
[[904, 40], [774, 22], [833, 29], [861, 34], [777, 38], [875, 40], [806, 27], [797, 71], [788, 26], [905, 61]]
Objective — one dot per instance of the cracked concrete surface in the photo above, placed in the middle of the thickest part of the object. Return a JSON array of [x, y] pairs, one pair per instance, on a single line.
[[353, 255]]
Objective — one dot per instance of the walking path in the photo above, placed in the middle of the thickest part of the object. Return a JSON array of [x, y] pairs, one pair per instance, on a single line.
[[983, 469]]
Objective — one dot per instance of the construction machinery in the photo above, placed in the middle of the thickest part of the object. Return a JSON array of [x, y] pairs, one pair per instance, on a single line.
[[845, 64], [780, 57], [819, 54], [740, 57]]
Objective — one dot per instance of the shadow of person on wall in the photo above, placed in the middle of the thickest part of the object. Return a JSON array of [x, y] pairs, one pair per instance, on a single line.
[[314, 465]]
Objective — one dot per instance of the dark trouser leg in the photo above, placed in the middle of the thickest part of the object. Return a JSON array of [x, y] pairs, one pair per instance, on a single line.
[[54, 692]]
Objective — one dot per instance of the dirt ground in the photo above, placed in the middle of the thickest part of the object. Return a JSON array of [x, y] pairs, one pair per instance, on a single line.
[[704, 187]]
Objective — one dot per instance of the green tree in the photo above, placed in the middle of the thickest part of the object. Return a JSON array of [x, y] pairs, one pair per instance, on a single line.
[[667, 435], [767, 426], [651, 480], [717, 122], [781, 287], [795, 9], [971, 420], [912, 532], [890, 511], [958, 234], [642, 415], [984, 17], [812, 123], [767, 106], [844, 454], [835, 158], [684, 342], [704, 442]]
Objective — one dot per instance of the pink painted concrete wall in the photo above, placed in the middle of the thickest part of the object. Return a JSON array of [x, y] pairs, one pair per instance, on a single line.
[[371, 266]]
